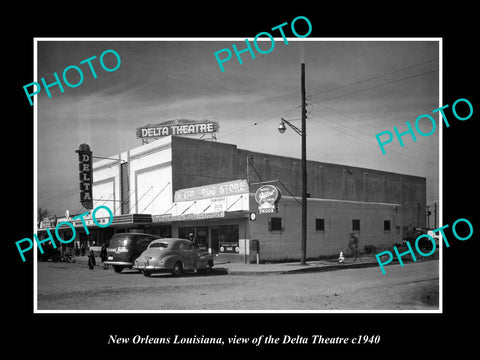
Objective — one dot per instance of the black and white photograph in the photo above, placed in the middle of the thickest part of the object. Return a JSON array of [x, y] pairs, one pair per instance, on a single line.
[[236, 181], [197, 168]]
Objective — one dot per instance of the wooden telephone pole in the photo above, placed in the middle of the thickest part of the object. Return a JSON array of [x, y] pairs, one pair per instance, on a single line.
[[304, 171]]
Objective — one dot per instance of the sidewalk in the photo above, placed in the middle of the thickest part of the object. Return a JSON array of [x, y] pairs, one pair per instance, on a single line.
[[277, 268], [296, 267], [364, 260]]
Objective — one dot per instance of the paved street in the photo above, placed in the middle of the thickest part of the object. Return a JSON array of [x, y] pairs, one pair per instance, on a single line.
[[63, 286]]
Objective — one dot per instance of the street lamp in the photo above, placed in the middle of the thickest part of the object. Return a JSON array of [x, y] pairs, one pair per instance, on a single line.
[[302, 133], [282, 127]]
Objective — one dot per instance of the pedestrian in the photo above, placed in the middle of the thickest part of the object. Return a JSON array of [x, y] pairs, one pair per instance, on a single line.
[[91, 260], [103, 256], [353, 245], [192, 238], [83, 249], [77, 250]]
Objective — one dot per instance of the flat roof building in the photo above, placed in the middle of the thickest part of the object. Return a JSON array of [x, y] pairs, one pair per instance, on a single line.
[[206, 188], [215, 192]]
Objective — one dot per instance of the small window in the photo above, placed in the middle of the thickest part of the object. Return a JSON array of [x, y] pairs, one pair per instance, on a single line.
[[159, 245], [320, 224], [386, 225], [276, 224], [355, 225]]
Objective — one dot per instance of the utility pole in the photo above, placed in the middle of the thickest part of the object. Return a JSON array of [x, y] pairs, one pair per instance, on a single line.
[[435, 216], [418, 214], [428, 217], [304, 171], [303, 133]]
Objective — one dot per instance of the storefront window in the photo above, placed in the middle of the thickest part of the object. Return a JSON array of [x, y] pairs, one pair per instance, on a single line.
[[225, 239], [199, 234], [164, 231]]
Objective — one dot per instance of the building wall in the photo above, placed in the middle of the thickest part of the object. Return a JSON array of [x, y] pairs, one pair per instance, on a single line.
[[149, 176], [150, 169], [338, 216], [106, 186], [197, 162]]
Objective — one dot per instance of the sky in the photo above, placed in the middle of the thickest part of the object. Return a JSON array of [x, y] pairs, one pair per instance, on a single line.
[[355, 89]]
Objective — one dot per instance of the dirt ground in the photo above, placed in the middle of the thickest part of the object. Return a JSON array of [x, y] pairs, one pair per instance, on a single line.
[[74, 287]]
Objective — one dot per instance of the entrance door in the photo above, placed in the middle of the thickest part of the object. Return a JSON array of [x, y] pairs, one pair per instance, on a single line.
[[224, 238]]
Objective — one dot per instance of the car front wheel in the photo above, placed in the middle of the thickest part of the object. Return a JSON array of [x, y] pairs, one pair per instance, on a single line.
[[177, 269], [117, 268], [146, 273]]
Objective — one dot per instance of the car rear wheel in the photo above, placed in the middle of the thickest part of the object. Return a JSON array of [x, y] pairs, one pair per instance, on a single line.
[[177, 269], [146, 273], [117, 268]]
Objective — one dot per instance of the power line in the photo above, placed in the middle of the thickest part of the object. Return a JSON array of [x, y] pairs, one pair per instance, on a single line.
[[359, 131], [375, 77], [259, 122], [155, 198], [380, 85], [372, 143], [66, 193], [60, 197], [346, 94]]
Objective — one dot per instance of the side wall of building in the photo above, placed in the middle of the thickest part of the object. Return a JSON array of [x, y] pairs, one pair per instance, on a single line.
[[198, 163], [333, 236]]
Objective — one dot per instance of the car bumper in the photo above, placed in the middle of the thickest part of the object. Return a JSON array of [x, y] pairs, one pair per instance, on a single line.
[[152, 267], [121, 263]]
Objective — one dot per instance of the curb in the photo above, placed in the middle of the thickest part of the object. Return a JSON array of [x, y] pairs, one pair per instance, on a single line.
[[308, 269], [299, 270]]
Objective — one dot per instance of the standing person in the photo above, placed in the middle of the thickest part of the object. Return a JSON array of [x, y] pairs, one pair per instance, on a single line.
[[353, 245], [191, 236], [91, 260], [83, 249], [77, 250], [103, 256]]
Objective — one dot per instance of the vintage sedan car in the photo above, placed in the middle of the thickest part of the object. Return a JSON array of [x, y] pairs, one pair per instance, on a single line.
[[173, 255], [124, 248]]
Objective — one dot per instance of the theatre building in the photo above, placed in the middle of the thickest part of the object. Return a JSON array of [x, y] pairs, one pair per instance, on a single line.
[[239, 203], [176, 186]]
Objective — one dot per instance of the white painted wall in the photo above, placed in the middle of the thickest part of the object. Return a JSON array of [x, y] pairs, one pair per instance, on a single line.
[[338, 215]]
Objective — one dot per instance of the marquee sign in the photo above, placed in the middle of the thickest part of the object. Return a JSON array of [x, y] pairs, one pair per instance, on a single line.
[[177, 127], [234, 187], [267, 198], [85, 175], [188, 217]]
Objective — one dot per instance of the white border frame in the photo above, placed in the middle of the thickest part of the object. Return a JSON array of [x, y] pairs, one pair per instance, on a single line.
[[35, 190]]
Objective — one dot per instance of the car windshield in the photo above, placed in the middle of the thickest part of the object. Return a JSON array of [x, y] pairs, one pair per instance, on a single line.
[[159, 245]]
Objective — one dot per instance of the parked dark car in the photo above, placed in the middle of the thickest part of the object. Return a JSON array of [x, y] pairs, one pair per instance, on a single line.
[[423, 243], [124, 248]]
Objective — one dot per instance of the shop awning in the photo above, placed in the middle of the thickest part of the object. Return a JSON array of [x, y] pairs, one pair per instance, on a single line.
[[132, 219], [118, 220], [168, 218]]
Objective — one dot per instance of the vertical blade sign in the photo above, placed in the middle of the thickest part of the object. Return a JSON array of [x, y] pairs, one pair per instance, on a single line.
[[85, 175]]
